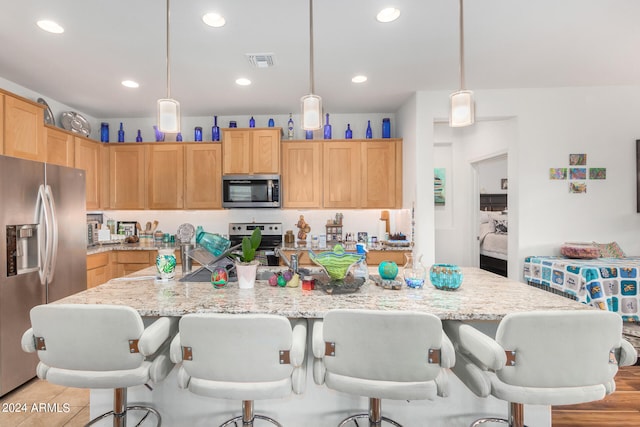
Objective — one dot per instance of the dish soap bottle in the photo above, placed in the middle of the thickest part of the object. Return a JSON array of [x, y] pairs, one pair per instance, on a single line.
[[121, 133], [290, 127]]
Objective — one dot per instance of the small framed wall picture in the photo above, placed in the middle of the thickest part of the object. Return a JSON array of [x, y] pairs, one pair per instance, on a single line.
[[128, 228]]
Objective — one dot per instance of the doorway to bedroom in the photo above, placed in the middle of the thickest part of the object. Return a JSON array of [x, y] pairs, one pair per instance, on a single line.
[[492, 223]]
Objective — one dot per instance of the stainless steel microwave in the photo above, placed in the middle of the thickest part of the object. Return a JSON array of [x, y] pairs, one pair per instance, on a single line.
[[251, 191]]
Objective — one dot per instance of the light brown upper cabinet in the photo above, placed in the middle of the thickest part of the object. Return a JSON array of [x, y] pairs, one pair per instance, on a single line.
[[24, 129], [1, 123], [127, 176], [341, 174], [165, 176], [203, 176], [251, 151], [302, 174], [381, 166], [60, 147], [88, 157]]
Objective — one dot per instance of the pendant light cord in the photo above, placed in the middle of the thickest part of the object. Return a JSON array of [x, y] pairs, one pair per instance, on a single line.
[[311, 46], [168, 57], [462, 82]]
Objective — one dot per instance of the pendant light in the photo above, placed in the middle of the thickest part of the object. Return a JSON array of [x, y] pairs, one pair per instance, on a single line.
[[462, 105], [311, 104], [168, 108]]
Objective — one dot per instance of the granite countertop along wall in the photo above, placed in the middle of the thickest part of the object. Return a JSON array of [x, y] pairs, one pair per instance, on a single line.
[[482, 296]]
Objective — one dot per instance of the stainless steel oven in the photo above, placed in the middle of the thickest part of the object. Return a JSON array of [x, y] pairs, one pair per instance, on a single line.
[[271, 238], [251, 191]]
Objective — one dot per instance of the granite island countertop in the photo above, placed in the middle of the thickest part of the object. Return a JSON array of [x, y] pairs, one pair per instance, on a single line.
[[482, 296]]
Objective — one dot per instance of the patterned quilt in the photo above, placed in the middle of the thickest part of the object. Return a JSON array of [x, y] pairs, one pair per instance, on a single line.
[[607, 283]]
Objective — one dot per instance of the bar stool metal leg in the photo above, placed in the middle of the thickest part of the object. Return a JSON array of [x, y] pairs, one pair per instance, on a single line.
[[516, 417], [248, 417], [374, 416], [120, 410]]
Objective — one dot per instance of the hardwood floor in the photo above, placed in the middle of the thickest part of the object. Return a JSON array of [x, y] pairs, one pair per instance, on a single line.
[[42, 404], [621, 408], [69, 407]]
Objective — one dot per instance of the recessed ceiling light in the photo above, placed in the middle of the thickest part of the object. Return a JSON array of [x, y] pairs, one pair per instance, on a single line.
[[50, 26], [388, 15], [243, 82], [359, 79], [214, 19], [130, 83]]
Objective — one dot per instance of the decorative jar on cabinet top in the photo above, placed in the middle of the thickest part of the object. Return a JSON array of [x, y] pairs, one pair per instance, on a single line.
[[414, 272]]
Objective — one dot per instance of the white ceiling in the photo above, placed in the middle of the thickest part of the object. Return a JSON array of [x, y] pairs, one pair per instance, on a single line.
[[509, 44]]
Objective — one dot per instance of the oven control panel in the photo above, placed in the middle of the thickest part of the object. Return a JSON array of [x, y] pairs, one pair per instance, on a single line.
[[245, 229]]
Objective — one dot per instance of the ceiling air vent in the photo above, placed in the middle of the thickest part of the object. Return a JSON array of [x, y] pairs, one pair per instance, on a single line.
[[261, 60]]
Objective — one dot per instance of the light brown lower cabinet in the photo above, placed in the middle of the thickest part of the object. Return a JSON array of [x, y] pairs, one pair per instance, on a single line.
[[98, 269]]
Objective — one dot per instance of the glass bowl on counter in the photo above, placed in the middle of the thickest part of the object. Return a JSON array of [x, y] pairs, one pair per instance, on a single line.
[[446, 277]]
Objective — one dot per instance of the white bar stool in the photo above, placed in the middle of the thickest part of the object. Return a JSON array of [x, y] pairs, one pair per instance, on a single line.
[[542, 358], [381, 355], [100, 346], [241, 356]]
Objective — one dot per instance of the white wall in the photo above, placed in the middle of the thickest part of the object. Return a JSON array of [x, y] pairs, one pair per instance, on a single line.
[[547, 126], [491, 172]]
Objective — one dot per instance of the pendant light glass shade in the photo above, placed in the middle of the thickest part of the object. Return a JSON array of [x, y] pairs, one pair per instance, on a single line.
[[462, 109], [311, 112], [168, 108], [168, 116], [311, 104]]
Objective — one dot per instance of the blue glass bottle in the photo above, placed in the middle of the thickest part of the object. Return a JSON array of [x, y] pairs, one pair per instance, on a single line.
[[215, 130], [386, 128], [369, 133], [271, 123], [198, 134], [252, 122], [104, 132], [139, 136], [327, 129], [121, 133], [348, 134], [179, 137], [308, 134]]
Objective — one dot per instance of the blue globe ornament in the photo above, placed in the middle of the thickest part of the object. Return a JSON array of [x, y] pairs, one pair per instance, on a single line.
[[388, 270]]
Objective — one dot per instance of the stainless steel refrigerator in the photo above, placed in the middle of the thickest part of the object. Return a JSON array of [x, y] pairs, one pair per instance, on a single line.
[[43, 251]]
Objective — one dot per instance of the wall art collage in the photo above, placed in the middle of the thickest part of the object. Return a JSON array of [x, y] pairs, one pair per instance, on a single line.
[[577, 173]]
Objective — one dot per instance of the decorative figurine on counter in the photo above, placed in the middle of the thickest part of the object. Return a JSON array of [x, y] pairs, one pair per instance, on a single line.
[[304, 228]]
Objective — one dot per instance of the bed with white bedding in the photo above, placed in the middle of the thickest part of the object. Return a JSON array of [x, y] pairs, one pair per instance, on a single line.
[[493, 233]]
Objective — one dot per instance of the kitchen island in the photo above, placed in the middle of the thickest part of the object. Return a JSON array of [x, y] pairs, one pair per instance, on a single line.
[[483, 298]]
